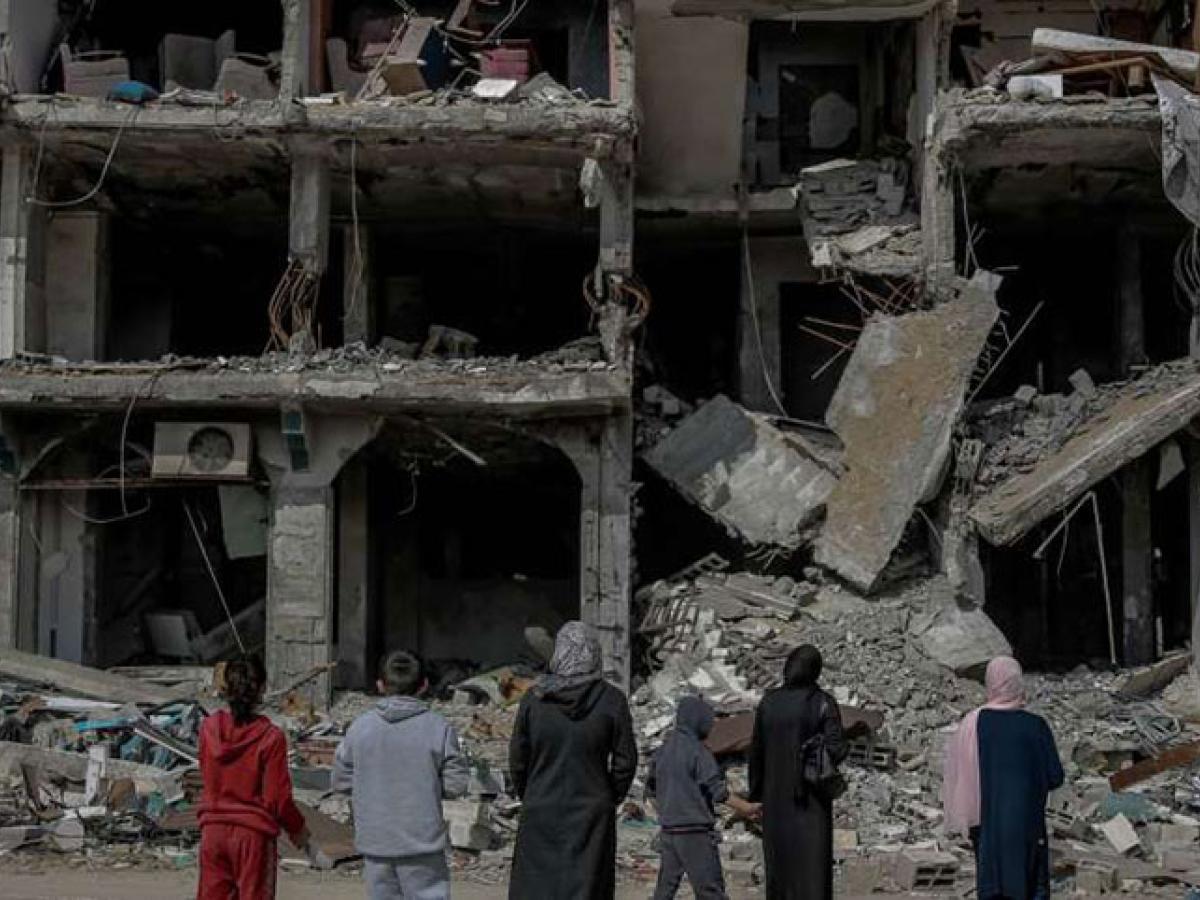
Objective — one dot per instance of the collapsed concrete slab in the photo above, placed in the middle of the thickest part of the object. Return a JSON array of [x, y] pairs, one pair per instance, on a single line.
[[894, 410], [743, 472], [1140, 415]]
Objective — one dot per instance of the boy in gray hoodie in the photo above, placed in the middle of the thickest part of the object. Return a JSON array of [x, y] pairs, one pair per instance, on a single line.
[[687, 784], [398, 761]]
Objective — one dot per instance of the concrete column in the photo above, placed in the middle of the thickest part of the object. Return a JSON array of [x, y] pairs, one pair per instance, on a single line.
[[22, 263], [358, 296], [308, 232], [603, 456], [925, 87], [300, 563], [621, 51], [1137, 482], [301, 553], [937, 211], [616, 218], [357, 597], [77, 320], [10, 562]]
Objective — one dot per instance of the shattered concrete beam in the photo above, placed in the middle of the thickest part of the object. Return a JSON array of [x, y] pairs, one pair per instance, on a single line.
[[895, 409], [596, 131], [525, 391], [1128, 428], [1110, 133], [71, 678]]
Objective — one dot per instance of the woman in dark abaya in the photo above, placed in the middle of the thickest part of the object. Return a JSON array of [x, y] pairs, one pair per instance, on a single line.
[[797, 824], [1000, 766], [572, 759]]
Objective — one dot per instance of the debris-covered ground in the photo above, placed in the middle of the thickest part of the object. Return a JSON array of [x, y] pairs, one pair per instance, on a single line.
[[111, 784]]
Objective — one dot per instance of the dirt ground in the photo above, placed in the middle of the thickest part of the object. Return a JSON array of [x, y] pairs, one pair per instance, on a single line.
[[75, 884]]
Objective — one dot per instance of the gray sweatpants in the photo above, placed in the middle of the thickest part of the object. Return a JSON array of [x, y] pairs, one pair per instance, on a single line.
[[407, 877], [694, 854]]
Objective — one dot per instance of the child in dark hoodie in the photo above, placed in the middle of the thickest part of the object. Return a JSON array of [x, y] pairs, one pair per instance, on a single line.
[[398, 761], [687, 785], [247, 796]]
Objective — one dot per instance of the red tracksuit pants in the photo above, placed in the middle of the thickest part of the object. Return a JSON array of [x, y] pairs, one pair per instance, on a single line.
[[236, 863]]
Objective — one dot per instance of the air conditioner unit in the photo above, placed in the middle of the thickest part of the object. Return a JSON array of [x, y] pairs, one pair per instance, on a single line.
[[201, 450]]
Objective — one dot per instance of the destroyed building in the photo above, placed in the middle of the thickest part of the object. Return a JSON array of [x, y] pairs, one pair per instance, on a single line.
[[306, 341], [331, 326], [324, 329]]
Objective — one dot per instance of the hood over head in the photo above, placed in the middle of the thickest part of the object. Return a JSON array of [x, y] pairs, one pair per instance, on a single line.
[[803, 667], [694, 716], [575, 701], [230, 740], [398, 707]]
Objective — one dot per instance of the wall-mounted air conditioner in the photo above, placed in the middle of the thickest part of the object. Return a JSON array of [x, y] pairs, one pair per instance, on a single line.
[[201, 450]]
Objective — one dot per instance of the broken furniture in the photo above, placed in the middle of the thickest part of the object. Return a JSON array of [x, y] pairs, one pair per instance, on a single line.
[[204, 64], [512, 59], [417, 63], [92, 73], [343, 77], [248, 75], [186, 60]]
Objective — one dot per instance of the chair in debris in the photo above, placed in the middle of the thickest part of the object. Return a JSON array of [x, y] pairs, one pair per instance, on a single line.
[[248, 75], [91, 73], [189, 61], [342, 76]]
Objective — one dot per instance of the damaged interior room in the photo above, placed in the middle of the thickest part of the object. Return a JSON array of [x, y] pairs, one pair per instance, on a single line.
[[335, 327]]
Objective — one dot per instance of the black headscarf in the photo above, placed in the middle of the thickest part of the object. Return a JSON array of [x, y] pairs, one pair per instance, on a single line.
[[803, 667]]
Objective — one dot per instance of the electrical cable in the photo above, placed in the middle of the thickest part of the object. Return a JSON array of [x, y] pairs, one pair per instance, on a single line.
[[213, 575]]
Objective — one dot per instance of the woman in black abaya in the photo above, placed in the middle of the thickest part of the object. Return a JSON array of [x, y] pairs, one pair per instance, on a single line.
[[797, 824], [572, 758]]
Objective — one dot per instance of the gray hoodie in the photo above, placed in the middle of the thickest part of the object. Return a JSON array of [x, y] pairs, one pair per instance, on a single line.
[[684, 778], [398, 761]]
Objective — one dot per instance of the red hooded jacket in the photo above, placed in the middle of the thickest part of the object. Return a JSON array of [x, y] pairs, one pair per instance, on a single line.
[[246, 778]]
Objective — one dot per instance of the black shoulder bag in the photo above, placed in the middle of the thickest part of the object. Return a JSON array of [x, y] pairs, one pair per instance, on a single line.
[[819, 774]]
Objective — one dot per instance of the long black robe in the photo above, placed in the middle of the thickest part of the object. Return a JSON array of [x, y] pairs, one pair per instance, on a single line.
[[572, 759], [797, 833], [1018, 767]]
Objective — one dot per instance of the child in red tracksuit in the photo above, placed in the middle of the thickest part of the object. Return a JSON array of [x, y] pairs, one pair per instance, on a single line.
[[247, 798]]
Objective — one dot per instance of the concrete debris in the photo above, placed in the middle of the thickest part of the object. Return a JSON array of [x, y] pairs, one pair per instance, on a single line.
[[744, 473], [845, 194], [962, 639], [1080, 443], [910, 372], [888, 250], [1120, 834]]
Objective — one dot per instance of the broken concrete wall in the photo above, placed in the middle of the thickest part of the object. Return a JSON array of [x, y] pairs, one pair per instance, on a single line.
[[895, 410], [691, 87], [744, 473], [958, 635]]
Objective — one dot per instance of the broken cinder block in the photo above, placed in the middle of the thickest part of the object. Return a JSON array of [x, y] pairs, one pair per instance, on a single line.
[[743, 472]]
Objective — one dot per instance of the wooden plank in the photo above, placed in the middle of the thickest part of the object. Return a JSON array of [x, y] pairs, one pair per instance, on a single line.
[[1175, 758], [75, 679], [332, 838], [1183, 63]]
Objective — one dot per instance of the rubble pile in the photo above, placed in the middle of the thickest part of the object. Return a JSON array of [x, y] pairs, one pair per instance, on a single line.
[[845, 193], [390, 356], [1020, 431], [726, 636]]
